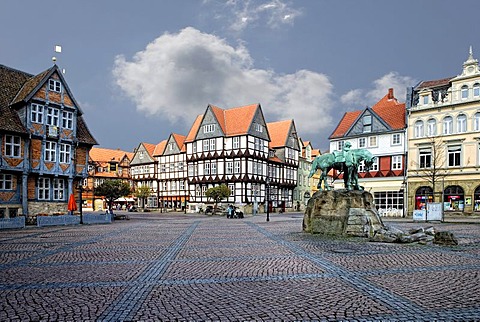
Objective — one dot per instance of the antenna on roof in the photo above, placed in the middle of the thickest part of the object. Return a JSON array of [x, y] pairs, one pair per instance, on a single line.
[[58, 49]]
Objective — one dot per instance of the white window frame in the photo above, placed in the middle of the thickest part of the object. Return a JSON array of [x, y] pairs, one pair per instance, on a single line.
[[464, 92], [372, 141], [461, 123], [206, 168], [476, 89], [362, 142], [431, 127], [53, 116], [58, 189], [425, 158], [65, 153], [454, 155], [213, 144], [340, 145], [13, 146], [37, 113], [6, 181], [54, 85], [209, 128], [206, 145], [367, 123], [67, 120], [447, 125], [229, 167], [418, 129], [236, 166], [50, 151], [236, 142], [396, 139], [43, 188], [476, 121], [213, 168], [397, 161]]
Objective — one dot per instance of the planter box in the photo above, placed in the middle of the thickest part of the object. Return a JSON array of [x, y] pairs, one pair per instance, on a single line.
[[62, 220], [9, 223], [89, 219]]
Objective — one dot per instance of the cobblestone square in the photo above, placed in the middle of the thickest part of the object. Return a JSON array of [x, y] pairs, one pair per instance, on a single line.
[[177, 267]]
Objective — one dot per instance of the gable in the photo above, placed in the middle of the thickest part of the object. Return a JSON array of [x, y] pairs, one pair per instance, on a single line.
[[368, 122], [258, 126], [142, 156], [171, 146], [209, 126]]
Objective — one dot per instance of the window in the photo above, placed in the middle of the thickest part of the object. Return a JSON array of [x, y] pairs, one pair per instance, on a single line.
[[229, 167], [54, 85], [464, 91], [52, 116], [425, 99], [6, 181], [258, 127], [12, 146], [476, 89], [190, 170], [180, 166], [163, 167], [388, 200], [37, 113], [367, 123], [58, 189], [418, 129], [194, 147], [454, 153], [212, 144], [170, 146], [236, 142], [206, 169], [447, 125], [361, 166], [396, 139], [206, 145], [372, 141], [43, 189], [374, 166], [182, 185], [67, 120], [209, 128], [396, 162], [213, 168], [65, 152], [461, 123], [431, 127], [172, 167], [425, 158], [362, 142], [476, 122], [50, 151], [236, 167], [257, 143], [340, 145]]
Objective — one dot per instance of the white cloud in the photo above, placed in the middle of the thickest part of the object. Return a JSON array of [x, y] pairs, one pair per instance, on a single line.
[[359, 98], [242, 14], [177, 75]]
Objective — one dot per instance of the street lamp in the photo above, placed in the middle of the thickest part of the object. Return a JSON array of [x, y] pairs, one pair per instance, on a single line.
[[267, 197]]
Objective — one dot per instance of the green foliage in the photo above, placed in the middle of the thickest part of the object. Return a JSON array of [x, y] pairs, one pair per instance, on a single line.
[[218, 193], [142, 192], [113, 189]]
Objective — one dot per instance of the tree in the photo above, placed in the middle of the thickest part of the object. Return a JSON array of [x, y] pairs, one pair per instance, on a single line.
[[142, 193], [113, 189], [431, 166], [218, 193]]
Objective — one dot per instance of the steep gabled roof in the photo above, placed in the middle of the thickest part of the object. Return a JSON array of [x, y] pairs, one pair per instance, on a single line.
[[180, 139], [159, 148], [149, 147], [279, 132], [387, 109], [345, 123], [239, 119], [391, 111], [106, 155], [83, 133], [194, 129]]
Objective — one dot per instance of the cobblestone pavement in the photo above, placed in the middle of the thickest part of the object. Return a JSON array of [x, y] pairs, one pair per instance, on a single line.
[[176, 267]]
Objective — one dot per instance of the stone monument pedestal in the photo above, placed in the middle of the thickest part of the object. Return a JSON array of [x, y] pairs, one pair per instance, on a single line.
[[342, 213]]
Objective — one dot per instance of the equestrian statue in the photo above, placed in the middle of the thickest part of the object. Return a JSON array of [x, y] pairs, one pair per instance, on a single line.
[[346, 161]]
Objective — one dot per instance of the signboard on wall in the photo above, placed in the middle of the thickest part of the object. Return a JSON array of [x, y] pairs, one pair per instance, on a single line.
[[419, 215]]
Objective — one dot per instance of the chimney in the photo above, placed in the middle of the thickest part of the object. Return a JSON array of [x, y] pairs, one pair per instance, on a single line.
[[390, 94]]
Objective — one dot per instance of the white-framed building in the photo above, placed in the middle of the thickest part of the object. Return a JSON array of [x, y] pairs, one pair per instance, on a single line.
[[381, 130]]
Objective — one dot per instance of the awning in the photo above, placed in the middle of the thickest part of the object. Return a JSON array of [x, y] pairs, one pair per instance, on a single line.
[[125, 200]]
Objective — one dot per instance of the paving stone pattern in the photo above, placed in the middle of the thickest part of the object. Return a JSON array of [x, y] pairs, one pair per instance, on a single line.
[[176, 267]]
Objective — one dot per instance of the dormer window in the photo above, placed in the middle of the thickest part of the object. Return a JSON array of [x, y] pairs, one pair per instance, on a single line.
[[464, 91], [425, 99], [258, 127], [367, 123], [209, 128], [54, 85], [170, 146], [476, 89]]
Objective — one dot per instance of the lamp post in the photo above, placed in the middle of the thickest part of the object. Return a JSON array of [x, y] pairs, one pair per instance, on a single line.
[[267, 197]]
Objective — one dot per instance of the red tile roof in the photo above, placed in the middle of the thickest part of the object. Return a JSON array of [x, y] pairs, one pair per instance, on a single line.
[[239, 119], [159, 148], [105, 155], [149, 147], [279, 133], [194, 129], [434, 83], [388, 109], [180, 139]]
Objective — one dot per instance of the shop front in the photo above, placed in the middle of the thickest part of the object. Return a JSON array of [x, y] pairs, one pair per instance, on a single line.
[[423, 195], [453, 198]]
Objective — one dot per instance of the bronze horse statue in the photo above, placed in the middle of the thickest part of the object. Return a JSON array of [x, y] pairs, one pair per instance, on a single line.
[[326, 162]]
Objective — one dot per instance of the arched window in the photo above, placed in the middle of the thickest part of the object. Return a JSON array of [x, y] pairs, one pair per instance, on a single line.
[[454, 198], [461, 123], [464, 91], [448, 125], [476, 122], [431, 127], [476, 89], [419, 129], [422, 196], [476, 199]]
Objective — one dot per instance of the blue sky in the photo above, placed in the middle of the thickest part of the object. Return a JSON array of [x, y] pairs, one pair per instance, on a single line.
[[141, 70]]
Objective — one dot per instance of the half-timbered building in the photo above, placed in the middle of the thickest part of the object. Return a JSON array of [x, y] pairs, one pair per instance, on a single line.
[[44, 143], [144, 170]]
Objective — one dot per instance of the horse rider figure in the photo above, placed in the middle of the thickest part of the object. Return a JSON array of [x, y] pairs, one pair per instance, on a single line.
[[345, 155]]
